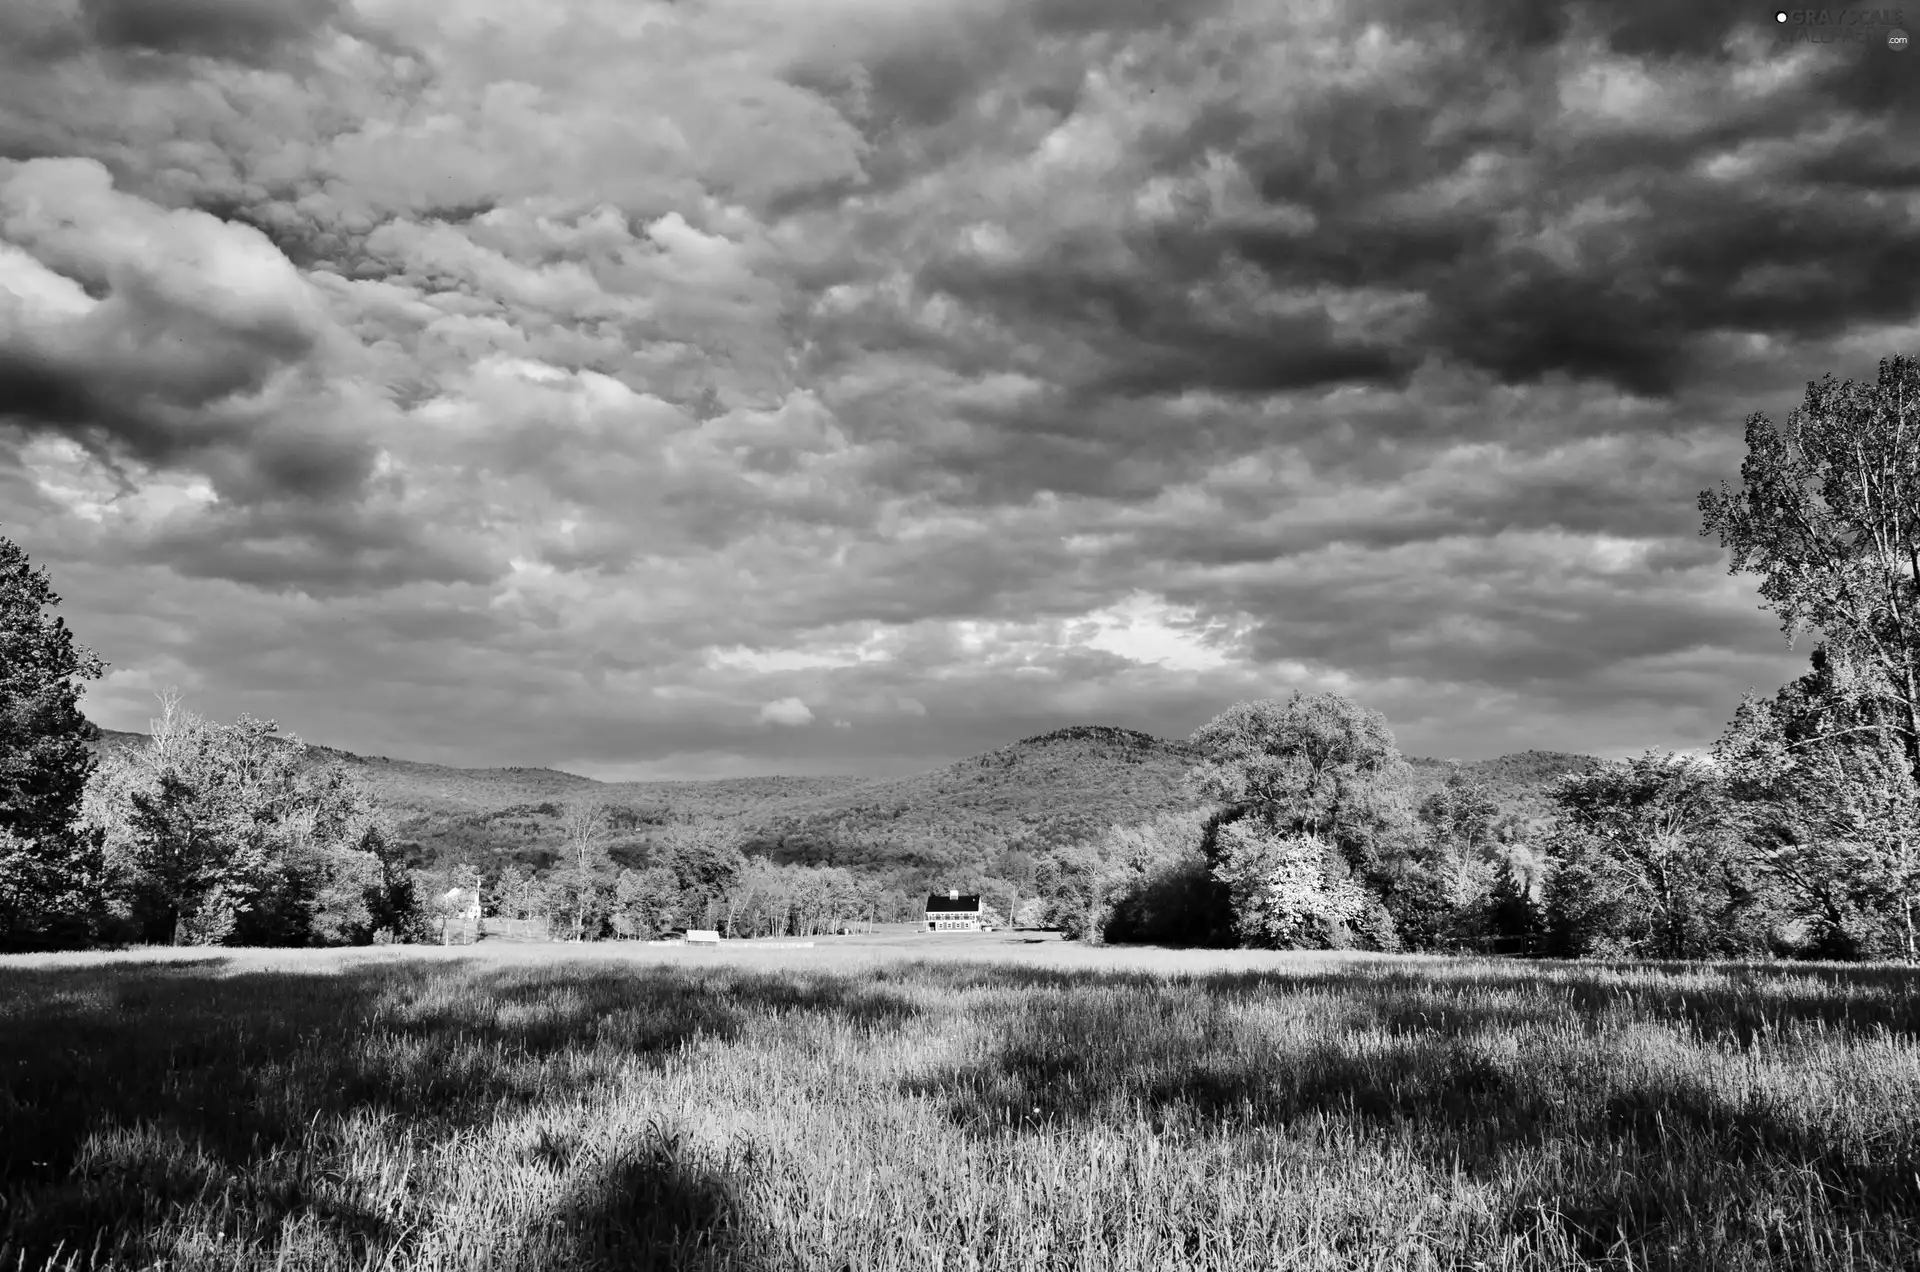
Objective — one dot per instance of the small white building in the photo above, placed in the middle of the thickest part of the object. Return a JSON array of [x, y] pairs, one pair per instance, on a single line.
[[953, 913], [463, 903]]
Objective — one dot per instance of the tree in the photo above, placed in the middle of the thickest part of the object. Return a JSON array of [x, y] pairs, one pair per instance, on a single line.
[[1831, 809], [516, 894], [706, 858], [1644, 857], [1288, 890], [1324, 783], [1071, 878], [1464, 819], [583, 829], [1158, 884], [50, 875], [766, 897], [221, 834], [1829, 516], [644, 900]]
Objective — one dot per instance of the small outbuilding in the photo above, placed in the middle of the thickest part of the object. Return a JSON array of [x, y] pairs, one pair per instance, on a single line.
[[953, 913]]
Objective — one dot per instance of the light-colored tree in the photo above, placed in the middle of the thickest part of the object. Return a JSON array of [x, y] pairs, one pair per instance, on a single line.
[[213, 833], [1832, 809], [1288, 889], [517, 894], [1463, 819], [1324, 785], [1828, 515], [584, 823]]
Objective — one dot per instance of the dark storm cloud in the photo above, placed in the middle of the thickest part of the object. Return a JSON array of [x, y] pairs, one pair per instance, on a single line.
[[316, 550], [1352, 177], [1151, 338], [244, 30]]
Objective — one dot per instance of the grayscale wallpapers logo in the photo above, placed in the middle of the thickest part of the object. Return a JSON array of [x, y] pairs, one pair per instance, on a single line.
[[1842, 26]]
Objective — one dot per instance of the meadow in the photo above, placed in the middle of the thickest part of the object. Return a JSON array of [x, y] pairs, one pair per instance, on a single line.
[[954, 1103]]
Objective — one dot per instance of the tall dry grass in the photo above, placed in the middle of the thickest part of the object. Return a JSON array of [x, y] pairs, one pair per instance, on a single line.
[[473, 1109]]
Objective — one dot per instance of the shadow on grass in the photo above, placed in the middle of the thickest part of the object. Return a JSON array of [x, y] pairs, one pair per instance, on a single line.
[[134, 1090], [652, 1209], [1748, 1002], [1441, 1072]]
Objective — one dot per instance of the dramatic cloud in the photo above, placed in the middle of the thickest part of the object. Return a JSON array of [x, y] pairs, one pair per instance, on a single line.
[[623, 385]]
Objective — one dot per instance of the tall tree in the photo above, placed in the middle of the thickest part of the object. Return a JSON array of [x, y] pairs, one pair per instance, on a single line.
[[1324, 785], [707, 859], [1829, 516], [49, 873], [583, 828]]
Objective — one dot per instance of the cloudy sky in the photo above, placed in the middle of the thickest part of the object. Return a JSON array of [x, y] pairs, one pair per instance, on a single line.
[[736, 386]]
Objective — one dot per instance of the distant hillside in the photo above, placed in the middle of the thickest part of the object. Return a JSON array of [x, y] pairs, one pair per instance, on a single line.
[[1519, 781], [959, 818], [1072, 781]]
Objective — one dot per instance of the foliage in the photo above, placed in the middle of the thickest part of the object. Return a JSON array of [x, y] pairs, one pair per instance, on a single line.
[[991, 822], [1159, 887], [1647, 865], [1829, 516], [1316, 819], [51, 891], [517, 894], [1289, 890], [215, 834], [579, 893], [1072, 879], [646, 902], [1828, 803], [1313, 764], [706, 863], [50, 875]]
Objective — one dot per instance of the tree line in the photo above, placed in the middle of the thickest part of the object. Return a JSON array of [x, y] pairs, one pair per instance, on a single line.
[[1798, 835]]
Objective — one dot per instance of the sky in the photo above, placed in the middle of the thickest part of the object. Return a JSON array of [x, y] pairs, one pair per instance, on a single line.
[[678, 390]]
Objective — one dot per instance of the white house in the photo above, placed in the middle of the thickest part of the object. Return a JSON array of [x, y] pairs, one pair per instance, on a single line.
[[953, 913]]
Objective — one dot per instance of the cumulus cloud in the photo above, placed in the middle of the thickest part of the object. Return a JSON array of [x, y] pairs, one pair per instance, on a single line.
[[788, 711], [951, 372]]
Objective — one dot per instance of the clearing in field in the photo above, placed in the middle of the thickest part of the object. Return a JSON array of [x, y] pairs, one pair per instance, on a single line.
[[952, 1104]]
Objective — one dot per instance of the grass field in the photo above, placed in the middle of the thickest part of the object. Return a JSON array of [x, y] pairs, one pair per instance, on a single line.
[[950, 1103]]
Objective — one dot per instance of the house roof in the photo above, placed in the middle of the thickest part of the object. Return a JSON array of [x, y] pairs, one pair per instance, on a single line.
[[953, 905]]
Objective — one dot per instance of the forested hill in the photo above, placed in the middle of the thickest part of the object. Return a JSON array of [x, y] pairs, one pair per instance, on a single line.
[[1059, 785], [1027, 795]]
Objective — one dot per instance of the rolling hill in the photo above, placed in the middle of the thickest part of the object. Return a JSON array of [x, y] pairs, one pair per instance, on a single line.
[[960, 818]]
